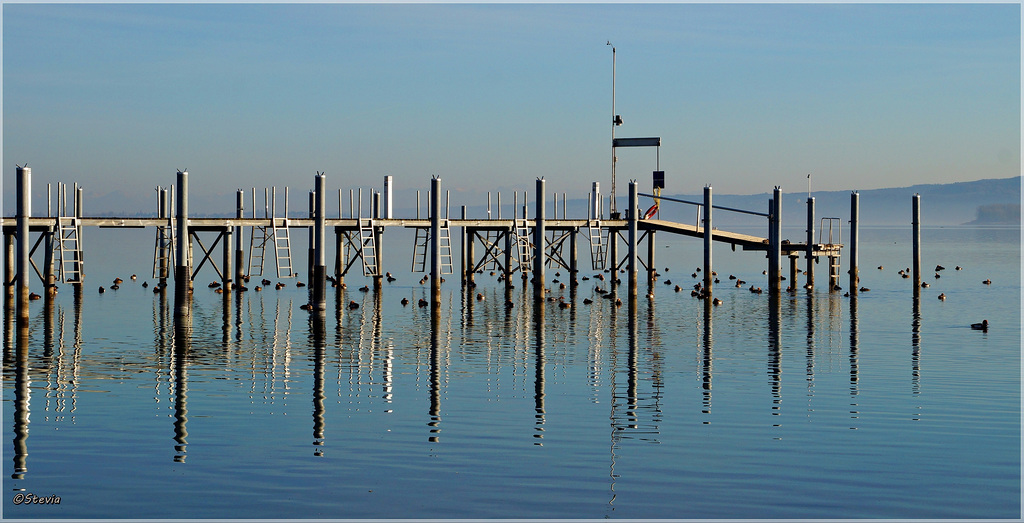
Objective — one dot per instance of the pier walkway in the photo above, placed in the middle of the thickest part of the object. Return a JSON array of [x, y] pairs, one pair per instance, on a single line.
[[521, 244]]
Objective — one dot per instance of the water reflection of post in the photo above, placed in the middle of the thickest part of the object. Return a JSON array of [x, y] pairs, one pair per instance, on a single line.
[[631, 370], [435, 373], [810, 335], [227, 320], [339, 311], [182, 346], [775, 352], [48, 328], [706, 371], [319, 334], [854, 348], [467, 305], [22, 396], [538, 384], [9, 326], [915, 341]]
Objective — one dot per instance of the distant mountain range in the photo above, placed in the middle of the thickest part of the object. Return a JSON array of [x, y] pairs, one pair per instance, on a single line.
[[990, 201]]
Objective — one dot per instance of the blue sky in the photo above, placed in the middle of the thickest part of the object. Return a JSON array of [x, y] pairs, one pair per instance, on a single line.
[[492, 96]]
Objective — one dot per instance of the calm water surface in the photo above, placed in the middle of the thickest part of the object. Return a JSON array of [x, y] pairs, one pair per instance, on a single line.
[[813, 405]]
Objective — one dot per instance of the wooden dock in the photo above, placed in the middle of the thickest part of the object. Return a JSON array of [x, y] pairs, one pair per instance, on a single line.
[[523, 244]]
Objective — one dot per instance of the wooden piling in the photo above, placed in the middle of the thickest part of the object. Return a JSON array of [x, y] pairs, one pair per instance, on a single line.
[[854, 241], [24, 210], [539, 233], [810, 241], [916, 208], [708, 237]]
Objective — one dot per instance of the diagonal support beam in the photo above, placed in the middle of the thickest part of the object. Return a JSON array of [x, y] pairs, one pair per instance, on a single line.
[[554, 250], [207, 253], [491, 251]]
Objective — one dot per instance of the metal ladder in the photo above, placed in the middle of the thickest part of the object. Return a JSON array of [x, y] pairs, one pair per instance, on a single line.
[[524, 249], [367, 248], [70, 250], [445, 244], [283, 250], [163, 250], [257, 246], [834, 269], [598, 246], [419, 249], [69, 239]]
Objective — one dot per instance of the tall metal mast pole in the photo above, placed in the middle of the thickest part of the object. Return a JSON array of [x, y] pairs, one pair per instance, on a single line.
[[614, 122]]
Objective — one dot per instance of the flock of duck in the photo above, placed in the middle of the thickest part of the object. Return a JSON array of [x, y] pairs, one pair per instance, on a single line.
[[697, 290]]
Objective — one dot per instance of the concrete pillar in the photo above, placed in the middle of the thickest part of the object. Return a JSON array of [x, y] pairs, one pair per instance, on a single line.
[[775, 254], [389, 205], [9, 258], [24, 210], [508, 257], [709, 232], [651, 271], [916, 208], [80, 255], [48, 275], [810, 241], [319, 280], [574, 268], [539, 251], [854, 242], [239, 275], [163, 212], [613, 256], [794, 271], [435, 242], [634, 216], [183, 258], [468, 253], [227, 256], [378, 240], [310, 254]]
